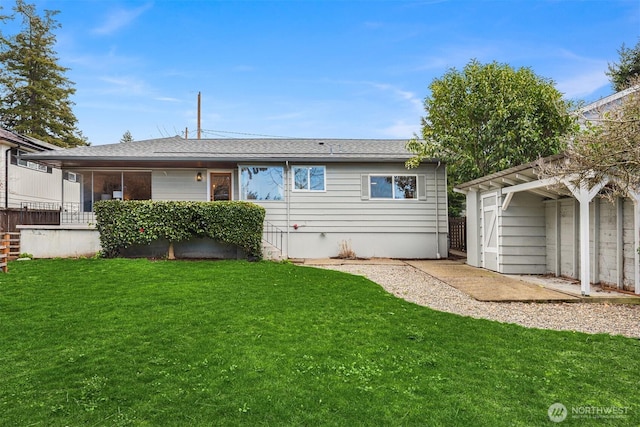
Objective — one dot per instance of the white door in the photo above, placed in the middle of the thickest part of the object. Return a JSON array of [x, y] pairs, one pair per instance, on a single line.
[[490, 231]]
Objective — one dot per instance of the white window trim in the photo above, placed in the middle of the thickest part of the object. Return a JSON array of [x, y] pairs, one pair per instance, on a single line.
[[308, 190], [249, 165], [393, 187]]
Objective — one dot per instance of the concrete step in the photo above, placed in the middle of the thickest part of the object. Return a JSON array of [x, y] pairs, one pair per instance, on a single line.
[[271, 253]]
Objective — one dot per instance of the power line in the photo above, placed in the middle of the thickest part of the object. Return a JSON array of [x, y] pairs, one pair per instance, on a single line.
[[223, 132]]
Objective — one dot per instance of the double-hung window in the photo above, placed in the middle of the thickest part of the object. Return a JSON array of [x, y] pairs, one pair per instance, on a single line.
[[309, 178], [395, 187]]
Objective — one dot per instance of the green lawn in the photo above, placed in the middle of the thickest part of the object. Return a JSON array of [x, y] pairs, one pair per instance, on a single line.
[[136, 342]]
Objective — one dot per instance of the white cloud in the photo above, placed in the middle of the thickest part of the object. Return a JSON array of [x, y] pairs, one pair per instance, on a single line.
[[166, 99], [286, 116], [583, 84], [120, 18], [410, 97], [125, 85], [401, 130]]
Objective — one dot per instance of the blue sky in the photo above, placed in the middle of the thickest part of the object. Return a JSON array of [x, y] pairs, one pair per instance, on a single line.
[[307, 69]]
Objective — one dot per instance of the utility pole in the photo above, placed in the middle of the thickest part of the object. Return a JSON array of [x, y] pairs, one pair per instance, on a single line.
[[186, 133], [199, 128]]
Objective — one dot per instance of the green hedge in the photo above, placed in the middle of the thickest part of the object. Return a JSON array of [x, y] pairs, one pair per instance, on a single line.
[[125, 223]]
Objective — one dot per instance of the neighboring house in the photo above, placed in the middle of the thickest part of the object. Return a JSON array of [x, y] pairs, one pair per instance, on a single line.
[[318, 193], [26, 184], [520, 224]]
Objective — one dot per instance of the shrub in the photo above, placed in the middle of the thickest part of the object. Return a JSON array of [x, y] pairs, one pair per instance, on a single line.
[[125, 223]]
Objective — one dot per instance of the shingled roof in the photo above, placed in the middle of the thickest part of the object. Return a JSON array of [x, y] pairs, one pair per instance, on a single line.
[[24, 141], [180, 150]]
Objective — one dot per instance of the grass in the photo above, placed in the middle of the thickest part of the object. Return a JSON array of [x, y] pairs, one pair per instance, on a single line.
[[135, 342]]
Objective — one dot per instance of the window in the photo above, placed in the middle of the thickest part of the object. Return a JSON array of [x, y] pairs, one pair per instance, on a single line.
[[28, 163], [118, 185], [261, 183], [308, 178], [393, 187]]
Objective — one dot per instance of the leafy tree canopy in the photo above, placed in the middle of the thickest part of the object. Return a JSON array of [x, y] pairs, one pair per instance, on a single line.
[[607, 148], [489, 117], [624, 72], [35, 94]]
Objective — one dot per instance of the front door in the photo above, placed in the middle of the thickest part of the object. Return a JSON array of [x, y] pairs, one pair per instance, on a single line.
[[490, 231], [220, 183]]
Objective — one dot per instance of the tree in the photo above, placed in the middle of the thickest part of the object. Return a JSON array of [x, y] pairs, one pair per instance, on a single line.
[[126, 137], [622, 73], [608, 148], [34, 91], [489, 117]]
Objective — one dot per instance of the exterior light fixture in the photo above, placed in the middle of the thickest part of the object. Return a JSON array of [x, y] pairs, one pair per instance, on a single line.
[[199, 176]]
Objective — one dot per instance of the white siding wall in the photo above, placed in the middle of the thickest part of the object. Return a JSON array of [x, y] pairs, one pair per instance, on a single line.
[[3, 168], [28, 185], [522, 229]]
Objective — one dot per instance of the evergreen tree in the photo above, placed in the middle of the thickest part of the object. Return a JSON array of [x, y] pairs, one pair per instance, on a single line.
[[624, 72], [34, 91], [126, 137]]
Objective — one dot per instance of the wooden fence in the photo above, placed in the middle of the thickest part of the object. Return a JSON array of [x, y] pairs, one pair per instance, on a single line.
[[458, 234], [10, 218], [9, 249]]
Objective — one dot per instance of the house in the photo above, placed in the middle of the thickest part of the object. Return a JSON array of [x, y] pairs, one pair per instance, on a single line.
[[27, 185], [318, 194], [518, 223]]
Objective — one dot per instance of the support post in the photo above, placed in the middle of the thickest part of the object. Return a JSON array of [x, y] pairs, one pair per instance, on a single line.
[[558, 256], [595, 255], [584, 195]]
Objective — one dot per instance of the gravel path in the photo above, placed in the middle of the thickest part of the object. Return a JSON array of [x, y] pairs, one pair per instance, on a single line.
[[418, 287]]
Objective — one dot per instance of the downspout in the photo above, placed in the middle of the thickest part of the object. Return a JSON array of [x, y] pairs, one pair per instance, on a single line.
[[288, 196], [438, 256]]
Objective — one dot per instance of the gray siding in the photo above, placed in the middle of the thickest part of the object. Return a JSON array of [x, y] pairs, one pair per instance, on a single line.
[[473, 229], [523, 240], [628, 237], [603, 246], [568, 240], [607, 252], [176, 184], [374, 228]]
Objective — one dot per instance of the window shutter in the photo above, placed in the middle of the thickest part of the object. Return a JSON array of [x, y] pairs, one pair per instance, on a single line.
[[422, 187], [364, 187]]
